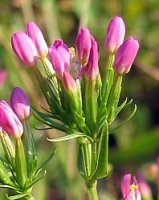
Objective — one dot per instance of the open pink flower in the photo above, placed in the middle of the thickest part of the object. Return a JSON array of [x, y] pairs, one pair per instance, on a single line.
[[130, 188]]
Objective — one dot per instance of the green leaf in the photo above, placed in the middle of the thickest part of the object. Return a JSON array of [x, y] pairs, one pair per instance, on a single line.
[[36, 180], [69, 137], [125, 121], [102, 163], [125, 104], [51, 122], [81, 164], [44, 163], [7, 186], [18, 196]]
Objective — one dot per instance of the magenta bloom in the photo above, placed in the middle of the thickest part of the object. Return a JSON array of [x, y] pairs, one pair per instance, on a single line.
[[130, 188], [115, 34], [20, 104], [33, 31], [59, 57], [125, 56], [83, 45], [91, 68], [3, 76], [69, 82], [9, 122], [144, 188], [24, 48]]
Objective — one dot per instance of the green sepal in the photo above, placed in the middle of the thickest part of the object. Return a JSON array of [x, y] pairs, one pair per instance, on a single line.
[[4, 174], [70, 137], [102, 161], [30, 152], [8, 149], [114, 98], [90, 103], [20, 162], [107, 85]]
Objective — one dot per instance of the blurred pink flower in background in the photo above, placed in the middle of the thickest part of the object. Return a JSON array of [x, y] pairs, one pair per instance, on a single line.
[[3, 77]]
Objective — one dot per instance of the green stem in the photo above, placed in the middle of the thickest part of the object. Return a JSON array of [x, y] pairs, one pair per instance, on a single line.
[[92, 191], [86, 157]]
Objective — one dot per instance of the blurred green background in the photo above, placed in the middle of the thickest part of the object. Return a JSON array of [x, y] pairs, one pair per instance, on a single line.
[[135, 146]]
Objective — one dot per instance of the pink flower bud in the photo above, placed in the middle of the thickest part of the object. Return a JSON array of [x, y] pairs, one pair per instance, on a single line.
[[125, 56], [33, 31], [69, 82], [91, 68], [130, 188], [20, 104], [9, 122], [59, 57], [83, 45], [24, 48], [115, 34]]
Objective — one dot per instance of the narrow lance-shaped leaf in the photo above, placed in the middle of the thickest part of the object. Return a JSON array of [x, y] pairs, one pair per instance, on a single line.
[[29, 149], [102, 168]]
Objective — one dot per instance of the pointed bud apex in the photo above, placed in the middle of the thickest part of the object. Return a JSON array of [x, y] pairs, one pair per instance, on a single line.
[[69, 82], [9, 122], [115, 34], [92, 69], [33, 31], [130, 188], [24, 48], [59, 57], [125, 56], [20, 104], [83, 45]]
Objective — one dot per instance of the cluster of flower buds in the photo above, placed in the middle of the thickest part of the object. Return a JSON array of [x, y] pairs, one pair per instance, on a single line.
[[82, 98], [12, 115], [29, 46], [125, 51], [20, 155]]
